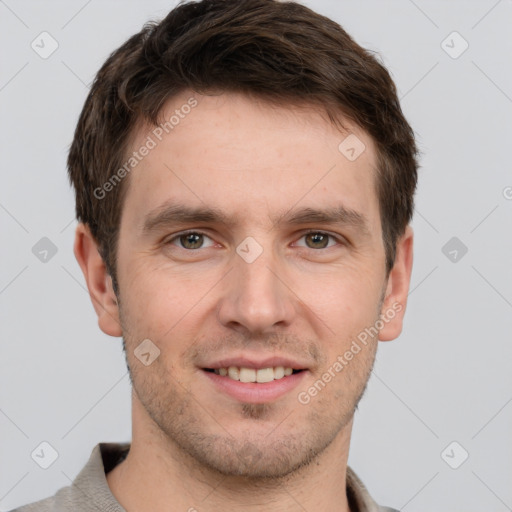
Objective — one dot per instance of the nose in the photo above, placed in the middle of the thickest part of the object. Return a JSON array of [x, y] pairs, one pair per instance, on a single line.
[[256, 299]]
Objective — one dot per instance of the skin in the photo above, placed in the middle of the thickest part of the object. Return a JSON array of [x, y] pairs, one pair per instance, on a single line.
[[194, 447]]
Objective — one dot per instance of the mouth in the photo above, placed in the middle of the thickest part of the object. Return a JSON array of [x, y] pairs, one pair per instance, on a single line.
[[254, 385]]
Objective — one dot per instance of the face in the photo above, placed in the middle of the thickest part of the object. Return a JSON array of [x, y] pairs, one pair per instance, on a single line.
[[249, 241]]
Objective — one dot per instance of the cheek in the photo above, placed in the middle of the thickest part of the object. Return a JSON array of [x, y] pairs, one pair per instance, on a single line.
[[345, 296], [347, 306], [157, 301]]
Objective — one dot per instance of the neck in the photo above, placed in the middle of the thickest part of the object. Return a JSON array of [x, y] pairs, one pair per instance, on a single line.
[[157, 474]]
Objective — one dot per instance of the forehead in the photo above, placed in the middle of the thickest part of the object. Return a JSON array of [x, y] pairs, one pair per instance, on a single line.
[[244, 156]]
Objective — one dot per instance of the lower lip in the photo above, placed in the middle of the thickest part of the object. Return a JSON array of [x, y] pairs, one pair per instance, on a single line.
[[254, 392]]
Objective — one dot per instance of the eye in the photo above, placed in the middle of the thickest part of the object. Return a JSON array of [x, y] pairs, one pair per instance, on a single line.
[[193, 240], [189, 240], [319, 240]]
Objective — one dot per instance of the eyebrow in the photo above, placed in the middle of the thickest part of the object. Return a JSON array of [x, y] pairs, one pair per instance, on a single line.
[[333, 215], [178, 213], [171, 213]]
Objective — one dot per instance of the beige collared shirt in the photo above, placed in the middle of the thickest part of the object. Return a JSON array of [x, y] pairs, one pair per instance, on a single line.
[[90, 492]]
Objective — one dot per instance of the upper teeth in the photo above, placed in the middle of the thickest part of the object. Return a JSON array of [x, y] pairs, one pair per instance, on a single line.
[[254, 375]]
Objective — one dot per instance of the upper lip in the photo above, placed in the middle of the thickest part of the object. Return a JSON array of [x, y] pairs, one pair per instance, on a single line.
[[253, 362]]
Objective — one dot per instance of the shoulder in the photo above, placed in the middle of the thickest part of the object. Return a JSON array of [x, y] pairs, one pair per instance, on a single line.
[[61, 501], [358, 496], [89, 492]]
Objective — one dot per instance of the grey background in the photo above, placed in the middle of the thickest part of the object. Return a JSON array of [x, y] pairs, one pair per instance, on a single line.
[[447, 378]]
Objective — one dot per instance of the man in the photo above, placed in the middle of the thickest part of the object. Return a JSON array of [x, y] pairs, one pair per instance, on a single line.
[[244, 183]]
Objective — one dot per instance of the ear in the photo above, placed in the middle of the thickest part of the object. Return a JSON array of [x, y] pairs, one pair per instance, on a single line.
[[395, 300], [99, 282]]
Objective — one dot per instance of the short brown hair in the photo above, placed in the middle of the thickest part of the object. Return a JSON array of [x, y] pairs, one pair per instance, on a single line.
[[278, 51]]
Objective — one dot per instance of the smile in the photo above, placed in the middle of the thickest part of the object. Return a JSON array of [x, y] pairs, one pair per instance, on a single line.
[[255, 385]]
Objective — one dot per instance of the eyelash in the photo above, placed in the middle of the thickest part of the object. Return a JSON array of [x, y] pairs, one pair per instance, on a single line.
[[177, 236]]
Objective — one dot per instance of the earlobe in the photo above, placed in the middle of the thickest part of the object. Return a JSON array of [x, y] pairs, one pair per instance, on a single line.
[[395, 301], [99, 283]]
